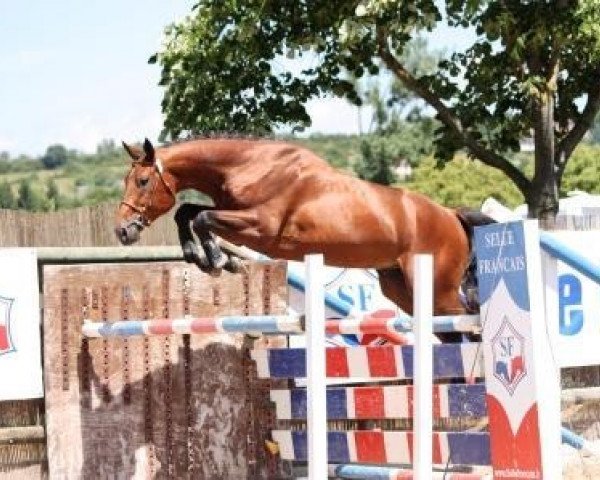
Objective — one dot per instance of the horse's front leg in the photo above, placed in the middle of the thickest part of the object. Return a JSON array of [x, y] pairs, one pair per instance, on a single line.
[[210, 258], [227, 223], [183, 218]]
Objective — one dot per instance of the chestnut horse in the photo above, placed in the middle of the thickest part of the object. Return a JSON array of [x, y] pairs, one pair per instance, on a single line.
[[284, 201]]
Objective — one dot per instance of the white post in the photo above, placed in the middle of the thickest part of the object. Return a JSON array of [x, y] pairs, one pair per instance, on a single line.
[[547, 372], [423, 367], [315, 368], [547, 353], [550, 279]]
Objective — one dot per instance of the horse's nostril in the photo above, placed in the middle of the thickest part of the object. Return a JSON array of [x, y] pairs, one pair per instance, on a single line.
[[121, 233]]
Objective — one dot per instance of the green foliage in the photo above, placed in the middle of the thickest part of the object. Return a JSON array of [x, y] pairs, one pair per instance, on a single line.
[[22, 163], [108, 149], [98, 195], [29, 198], [107, 152], [4, 166], [376, 165], [412, 140], [403, 141], [7, 197], [192, 196], [55, 156], [54, 199], [222, 67], [341, 151], [420, 61], [583, 171], [462, 182]]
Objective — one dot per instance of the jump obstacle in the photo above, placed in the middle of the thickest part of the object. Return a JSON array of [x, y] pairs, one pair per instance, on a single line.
[[384, 322], [363, 402]]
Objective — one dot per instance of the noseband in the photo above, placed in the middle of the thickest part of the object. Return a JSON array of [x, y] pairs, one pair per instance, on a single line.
[[142, 220]]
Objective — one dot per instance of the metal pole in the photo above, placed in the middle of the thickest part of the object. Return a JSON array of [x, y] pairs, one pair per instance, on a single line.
[[423, 367], [315, 368]]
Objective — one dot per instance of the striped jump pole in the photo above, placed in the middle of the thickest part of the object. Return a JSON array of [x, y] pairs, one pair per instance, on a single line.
[[258, 324], [380, 323]]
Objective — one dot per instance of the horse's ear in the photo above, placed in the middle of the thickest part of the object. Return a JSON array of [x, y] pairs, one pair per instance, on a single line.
[[134, 152], [148, 151]]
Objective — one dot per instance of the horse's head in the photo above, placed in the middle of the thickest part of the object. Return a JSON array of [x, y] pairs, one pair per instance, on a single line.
[[148, 194]]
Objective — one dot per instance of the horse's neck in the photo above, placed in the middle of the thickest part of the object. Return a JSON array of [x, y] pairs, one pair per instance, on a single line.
[[205, 165]]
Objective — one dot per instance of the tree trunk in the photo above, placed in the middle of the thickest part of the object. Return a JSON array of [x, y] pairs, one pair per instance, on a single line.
[[542, 198]]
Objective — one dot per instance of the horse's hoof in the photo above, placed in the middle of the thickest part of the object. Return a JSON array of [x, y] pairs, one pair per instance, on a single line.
[[219, 262], [191, 257], [191, 254], [214, 272], [202, 263], [235, 265], [216, 258]]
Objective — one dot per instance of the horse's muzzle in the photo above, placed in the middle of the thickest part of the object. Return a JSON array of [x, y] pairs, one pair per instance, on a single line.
[[128, 232]]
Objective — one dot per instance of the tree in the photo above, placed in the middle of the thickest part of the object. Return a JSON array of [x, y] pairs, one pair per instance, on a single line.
[[461, 182], [376, 165], [28, 198], [55, 156], [534, 68], [53, 196], [420, 61], [107, 148], [7, 197]]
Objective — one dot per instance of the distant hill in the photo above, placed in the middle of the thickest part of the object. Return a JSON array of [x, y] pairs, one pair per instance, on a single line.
[[89, 179]]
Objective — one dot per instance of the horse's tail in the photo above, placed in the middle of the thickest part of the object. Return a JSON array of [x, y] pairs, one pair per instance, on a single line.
[[470, 219]]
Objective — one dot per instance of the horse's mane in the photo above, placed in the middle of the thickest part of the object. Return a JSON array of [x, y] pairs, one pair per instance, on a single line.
[[222, 135]]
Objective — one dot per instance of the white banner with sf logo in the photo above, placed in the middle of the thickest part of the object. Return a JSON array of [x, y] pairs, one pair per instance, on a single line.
[[20, 352]]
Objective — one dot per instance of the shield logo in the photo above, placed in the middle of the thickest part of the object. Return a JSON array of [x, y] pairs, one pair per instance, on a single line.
[[508, 348], [6, 343]]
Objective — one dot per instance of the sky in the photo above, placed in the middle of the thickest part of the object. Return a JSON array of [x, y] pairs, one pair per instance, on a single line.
[[75, 72]]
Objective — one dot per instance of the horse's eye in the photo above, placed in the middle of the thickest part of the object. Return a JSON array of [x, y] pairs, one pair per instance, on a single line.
[[142, 182]]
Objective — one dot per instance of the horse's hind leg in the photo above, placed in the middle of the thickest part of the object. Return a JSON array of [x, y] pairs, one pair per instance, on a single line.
[[394, 287], [397, 285]]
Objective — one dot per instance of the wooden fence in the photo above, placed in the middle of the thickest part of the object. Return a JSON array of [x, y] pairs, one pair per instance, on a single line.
[[79, 227], [23, 451]]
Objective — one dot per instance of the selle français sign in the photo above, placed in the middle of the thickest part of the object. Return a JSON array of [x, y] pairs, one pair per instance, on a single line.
[[512, 316]]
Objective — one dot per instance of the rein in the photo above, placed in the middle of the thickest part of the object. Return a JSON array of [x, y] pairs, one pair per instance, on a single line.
[[142, 220]]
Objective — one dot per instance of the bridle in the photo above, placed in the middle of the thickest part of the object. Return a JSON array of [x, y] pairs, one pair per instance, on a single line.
[[142, 220]]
